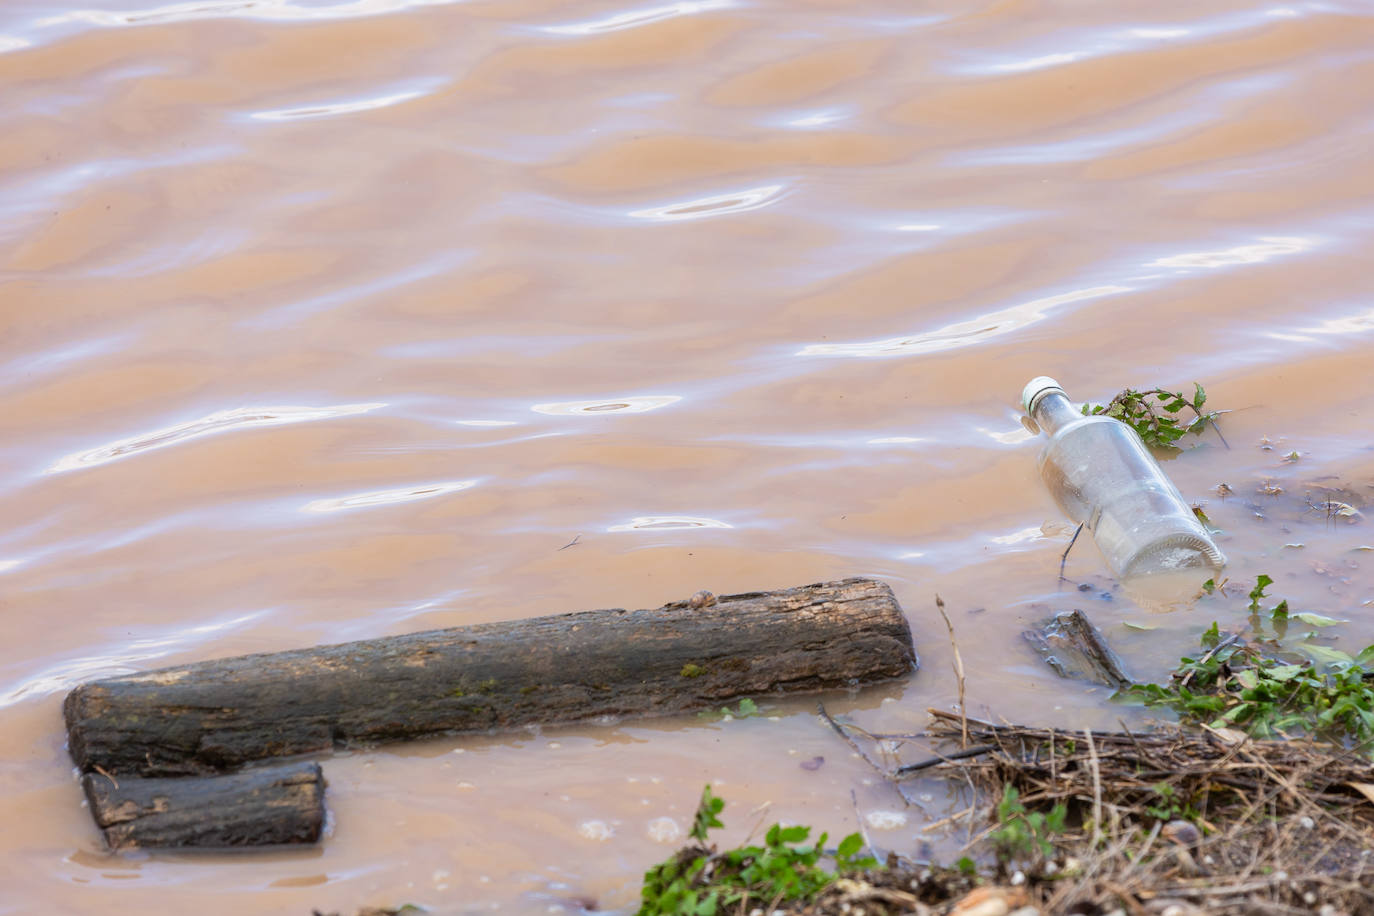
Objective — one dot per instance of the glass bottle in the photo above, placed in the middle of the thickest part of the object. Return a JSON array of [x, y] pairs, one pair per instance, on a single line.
[[1102, 475]]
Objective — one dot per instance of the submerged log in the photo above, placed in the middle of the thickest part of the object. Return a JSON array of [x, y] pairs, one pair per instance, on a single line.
[[214, 716], [265, 806], [1075, 648]]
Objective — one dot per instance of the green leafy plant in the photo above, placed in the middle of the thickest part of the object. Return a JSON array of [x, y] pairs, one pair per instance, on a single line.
[[745, 709], [1169, 805], [1268, 688], [706, 818], [1156, 414], [698, 881], [1023, 834]]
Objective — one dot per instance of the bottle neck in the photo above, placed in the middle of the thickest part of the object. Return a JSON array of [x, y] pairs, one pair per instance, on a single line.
[[1054, 411]]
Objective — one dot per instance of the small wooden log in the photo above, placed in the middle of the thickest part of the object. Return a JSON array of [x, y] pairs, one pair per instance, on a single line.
[[264, 806], [214, 716], [1075, 648]]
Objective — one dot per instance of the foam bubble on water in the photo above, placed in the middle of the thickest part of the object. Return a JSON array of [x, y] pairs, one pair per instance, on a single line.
[[885, 820], [599, 831], [664, 830]]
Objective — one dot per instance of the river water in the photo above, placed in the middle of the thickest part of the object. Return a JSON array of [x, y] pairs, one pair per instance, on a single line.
[[329, 319]]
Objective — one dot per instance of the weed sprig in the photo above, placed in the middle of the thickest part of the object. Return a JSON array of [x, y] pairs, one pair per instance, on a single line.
[[1268, 688], [698, 881], [1155, 414]]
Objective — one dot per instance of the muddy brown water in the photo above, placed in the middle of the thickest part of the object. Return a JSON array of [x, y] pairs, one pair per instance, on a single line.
[[326, 319]]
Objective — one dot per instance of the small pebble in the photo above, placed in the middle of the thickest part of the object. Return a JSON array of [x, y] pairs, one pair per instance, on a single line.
[[701, 599], [1181, 832]]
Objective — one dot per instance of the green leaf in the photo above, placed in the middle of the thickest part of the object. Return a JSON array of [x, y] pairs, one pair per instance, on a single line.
[[1262, 582], [780, 834], [705, 817], [1318, 620], [1199, 397], [1325, 654], [1284, 672]]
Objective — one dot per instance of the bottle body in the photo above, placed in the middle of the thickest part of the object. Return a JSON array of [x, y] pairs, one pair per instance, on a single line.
[[1102, 475]]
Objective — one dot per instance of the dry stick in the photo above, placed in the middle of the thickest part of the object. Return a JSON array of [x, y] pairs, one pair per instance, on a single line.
[[1097, 787], [958, 672], [863, 832], [839, 730], [1064, 557], [908, 769], [1135, 741], [945, 821]]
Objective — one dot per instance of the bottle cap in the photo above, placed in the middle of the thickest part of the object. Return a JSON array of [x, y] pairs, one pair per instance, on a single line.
[[1036, 389]]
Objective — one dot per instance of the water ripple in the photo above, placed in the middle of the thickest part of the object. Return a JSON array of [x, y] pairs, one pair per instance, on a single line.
[[638, 404], [219, 422], [632, 18], [1266, 248], [388, 497], [715, 205], [280, 10], [1102, 43], [332, 109], [123, 659], [963, 333], [668, 523]]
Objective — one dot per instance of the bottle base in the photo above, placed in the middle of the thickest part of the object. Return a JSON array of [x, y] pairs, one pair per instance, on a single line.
[[1175, 567]]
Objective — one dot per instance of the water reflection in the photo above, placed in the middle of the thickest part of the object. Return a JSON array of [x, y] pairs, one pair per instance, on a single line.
[[631, 18], [637, 404], [123, 659], [281, 10], [715, 205], [962, 333], [220, 422], [1357, 323], [815, 118], [1094, 43], [388, 497], [668, 523], [330, 109], [24, 368], [1267, 248]]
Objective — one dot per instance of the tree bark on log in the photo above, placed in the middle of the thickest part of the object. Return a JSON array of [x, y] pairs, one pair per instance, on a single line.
[[264, 806], [214, 716]]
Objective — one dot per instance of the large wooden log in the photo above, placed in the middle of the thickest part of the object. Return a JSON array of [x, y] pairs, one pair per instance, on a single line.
[[263, 806], [214, 716]]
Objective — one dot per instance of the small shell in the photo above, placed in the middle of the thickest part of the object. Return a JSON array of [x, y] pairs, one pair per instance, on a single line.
[[701, 599]]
